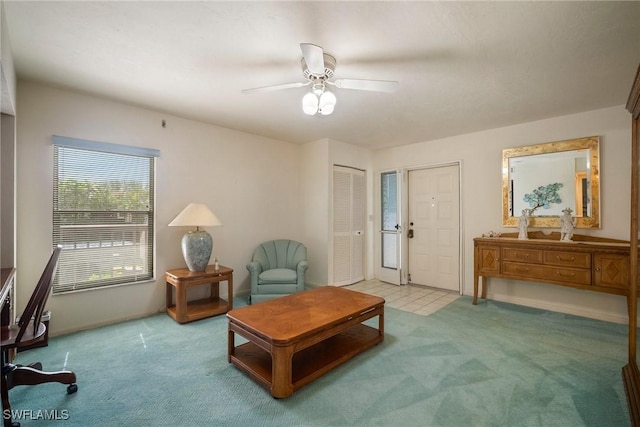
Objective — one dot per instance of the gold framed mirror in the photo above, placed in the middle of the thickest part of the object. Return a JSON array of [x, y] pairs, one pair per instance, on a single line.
[[548, 178]]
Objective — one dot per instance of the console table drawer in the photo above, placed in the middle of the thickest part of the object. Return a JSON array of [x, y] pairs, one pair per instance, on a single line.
[[568, 259], [487, 259], [548, 273], [522, 255], [611, 271]]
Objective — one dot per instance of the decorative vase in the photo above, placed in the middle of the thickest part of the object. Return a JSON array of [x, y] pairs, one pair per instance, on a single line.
[[196, 249]]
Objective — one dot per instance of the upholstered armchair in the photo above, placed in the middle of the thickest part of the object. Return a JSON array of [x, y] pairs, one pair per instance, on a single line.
[[277, 268]]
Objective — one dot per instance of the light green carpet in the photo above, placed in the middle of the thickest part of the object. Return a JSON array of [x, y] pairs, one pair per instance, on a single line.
[[493, 364]]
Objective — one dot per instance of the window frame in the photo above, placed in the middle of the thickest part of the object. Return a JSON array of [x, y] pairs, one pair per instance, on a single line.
[[141, 248]]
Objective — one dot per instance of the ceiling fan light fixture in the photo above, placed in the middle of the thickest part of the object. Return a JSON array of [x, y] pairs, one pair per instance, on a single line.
[[327, 103], [318, 88], [326, 110], [318, 68], [310, 103]]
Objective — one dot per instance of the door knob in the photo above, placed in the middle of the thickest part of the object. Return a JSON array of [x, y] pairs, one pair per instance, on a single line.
[[410, 234]]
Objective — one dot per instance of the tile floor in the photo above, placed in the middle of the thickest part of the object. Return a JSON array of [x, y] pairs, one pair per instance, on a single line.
[[416, 299]]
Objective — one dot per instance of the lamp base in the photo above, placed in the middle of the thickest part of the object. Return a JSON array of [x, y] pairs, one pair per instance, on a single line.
[[196, 249]]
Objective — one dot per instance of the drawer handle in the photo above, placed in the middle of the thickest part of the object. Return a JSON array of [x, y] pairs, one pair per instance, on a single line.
[[571, 258], [522, 269], [565, 275]]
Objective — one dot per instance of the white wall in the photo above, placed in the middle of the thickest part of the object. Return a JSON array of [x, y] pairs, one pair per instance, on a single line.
[[481, 155], [315, 210], [287, 196], [251, 183], [7, 70], [7, 190]]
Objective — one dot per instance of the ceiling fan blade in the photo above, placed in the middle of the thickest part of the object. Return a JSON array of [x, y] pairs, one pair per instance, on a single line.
[[275, 87], [314, 58], [373, 85]]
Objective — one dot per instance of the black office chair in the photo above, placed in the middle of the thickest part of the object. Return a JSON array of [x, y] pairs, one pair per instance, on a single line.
[[30, 330]]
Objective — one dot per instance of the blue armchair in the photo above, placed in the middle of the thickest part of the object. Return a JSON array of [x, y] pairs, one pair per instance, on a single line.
[[277, 268]]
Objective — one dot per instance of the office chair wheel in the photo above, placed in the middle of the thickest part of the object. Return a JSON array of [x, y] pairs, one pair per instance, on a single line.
[[72, 388]]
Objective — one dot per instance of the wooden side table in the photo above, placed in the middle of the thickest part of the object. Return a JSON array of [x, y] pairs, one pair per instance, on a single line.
[[181, 279]]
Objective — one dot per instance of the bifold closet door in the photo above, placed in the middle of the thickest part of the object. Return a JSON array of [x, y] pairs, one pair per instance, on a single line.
[[348, 225]]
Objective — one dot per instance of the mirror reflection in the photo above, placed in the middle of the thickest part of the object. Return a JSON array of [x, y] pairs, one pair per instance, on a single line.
[[547, 178]]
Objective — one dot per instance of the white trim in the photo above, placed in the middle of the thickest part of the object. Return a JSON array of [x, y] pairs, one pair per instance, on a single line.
[[559, 308], [106, 147]]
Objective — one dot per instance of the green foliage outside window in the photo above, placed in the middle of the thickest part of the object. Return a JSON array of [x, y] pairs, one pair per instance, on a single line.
[[78, 201]]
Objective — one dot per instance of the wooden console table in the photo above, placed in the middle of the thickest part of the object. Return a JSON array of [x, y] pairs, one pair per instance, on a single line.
[[186, 311], [596, 264]]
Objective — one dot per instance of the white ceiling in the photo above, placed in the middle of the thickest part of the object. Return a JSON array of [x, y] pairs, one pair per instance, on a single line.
[[462, 66]]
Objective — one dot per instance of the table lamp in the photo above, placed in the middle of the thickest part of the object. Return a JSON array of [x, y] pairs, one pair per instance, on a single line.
[[196, 245]]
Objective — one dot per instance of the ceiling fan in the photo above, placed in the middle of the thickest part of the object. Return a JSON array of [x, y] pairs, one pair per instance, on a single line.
[[318, 68]]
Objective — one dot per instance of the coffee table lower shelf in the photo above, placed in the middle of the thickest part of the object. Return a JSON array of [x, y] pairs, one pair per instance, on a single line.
[[310, 363]]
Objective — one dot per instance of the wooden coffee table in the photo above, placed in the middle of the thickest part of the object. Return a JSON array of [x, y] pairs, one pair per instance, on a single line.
[[295, 339]]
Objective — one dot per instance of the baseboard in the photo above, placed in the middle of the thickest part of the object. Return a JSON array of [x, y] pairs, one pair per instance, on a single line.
[[68, 331], [560, 308], [244, 293]]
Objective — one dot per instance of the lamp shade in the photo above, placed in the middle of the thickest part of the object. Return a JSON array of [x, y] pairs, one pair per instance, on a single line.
[[196, 245], [195, 215]]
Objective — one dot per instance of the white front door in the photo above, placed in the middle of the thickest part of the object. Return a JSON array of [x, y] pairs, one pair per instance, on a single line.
[[434, 227], [349, 211]]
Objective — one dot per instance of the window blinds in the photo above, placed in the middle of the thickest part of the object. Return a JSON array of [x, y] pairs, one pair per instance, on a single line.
[[103, 213]]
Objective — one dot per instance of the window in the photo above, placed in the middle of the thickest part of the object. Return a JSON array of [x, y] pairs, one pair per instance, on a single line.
[[103, 213], [390, 220]]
